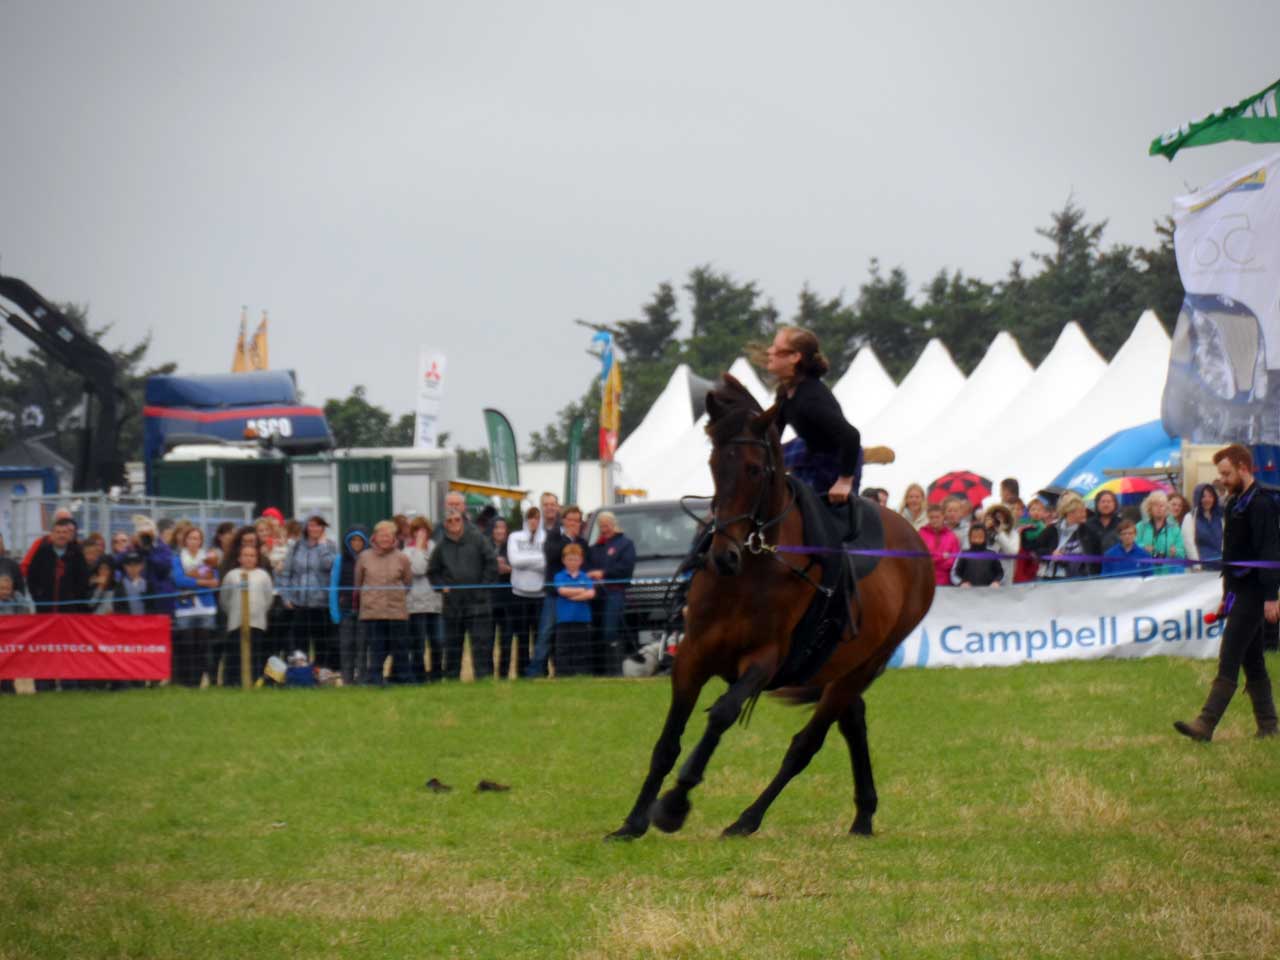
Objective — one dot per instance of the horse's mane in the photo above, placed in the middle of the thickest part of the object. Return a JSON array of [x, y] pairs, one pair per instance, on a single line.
[[729, 406]]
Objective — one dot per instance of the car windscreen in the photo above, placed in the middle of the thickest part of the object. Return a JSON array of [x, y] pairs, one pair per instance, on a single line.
[[664, 531]]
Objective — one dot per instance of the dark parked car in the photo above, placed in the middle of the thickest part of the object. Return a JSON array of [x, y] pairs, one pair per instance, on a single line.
[[663, 533]]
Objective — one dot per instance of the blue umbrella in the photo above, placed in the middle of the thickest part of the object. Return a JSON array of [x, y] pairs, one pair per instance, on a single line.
[[1146, 445]]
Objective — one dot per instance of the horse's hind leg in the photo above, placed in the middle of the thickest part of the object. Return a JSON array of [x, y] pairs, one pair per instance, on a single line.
[[669, 812], [853, 724], [804, 746], [686, 683]]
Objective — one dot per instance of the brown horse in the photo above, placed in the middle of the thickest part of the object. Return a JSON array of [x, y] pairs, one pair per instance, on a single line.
[[742, 608]]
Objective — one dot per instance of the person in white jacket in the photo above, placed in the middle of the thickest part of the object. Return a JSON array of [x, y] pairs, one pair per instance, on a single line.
[[528, 570], [247, 577]]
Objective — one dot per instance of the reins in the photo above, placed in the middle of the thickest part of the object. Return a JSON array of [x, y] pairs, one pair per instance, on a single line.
[[755, 541]]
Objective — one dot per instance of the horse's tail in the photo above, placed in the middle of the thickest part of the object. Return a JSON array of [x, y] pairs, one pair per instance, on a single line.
[[798, 696]]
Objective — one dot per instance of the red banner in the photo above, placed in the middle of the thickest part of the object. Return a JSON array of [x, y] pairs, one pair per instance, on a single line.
[[63, 646]]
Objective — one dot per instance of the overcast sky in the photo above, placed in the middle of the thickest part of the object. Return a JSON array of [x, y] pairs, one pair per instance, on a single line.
[[473, 176]]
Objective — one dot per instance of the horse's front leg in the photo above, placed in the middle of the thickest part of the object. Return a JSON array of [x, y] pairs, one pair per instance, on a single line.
[[669, 812], [687, 682]]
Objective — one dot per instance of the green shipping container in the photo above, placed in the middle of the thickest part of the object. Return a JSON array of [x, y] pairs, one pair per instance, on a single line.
[[364, 492], [187, 479]]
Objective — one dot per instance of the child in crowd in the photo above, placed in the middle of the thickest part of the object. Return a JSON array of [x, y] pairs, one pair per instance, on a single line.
[[1127, 554], [1039, 539], [977, 571], [958, 514], [247, 576], [132, 592], [941, 543], [102, 586], [13, 602], [574, 593]]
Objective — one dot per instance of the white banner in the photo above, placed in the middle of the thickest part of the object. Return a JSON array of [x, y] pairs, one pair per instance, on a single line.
[[1067, 620], [1224, 367], [430, 391]]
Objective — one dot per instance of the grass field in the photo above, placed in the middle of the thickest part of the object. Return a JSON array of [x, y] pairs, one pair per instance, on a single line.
[[1036, 811]]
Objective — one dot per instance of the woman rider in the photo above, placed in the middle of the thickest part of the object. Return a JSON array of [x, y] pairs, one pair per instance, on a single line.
[[827, 451]]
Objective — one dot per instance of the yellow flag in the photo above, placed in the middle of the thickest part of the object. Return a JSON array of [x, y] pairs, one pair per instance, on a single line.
[[611, 411], [240, 360], [258, 355]]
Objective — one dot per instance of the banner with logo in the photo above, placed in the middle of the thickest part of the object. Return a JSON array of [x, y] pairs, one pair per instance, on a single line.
[[572, 457], [1224, 365], [504, 467], [1123, 617], [430, 391], [81, 647], [1255, 119]]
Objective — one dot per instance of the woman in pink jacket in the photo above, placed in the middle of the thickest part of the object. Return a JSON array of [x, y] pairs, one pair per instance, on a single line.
[[942, 543]]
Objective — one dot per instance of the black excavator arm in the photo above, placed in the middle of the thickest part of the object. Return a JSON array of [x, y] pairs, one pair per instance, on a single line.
[[99, 466]]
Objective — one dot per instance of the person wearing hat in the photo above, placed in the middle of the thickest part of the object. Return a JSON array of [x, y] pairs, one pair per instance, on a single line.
[[303, 585], [133, 592]]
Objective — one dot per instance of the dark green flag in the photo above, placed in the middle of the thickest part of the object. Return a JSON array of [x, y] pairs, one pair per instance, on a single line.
[[502, 449], [1254, 119], [571, 460]]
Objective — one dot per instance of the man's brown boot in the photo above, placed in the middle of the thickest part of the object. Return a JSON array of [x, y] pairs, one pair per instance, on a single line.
[[1201, 728], [1264, 709]]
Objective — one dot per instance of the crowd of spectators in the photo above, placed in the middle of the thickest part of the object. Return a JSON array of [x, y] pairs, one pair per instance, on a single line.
[[1058, 538], [399, 603]]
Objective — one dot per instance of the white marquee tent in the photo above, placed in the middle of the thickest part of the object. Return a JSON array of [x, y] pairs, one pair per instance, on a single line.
[[680, 465], [974, 411], [1126, 395], [669, 417], [866, 389], [930, 386]]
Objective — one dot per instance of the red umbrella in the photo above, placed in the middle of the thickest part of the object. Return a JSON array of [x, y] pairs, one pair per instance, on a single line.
[[963, 483]]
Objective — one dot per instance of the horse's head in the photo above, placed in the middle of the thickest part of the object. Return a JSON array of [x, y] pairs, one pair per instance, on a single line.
[[746, 466]]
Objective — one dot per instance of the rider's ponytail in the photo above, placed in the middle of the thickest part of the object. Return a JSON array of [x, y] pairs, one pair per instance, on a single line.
[[812, 363]]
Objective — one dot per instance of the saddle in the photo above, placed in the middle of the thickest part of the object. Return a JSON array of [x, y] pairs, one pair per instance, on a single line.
[[837, 527]]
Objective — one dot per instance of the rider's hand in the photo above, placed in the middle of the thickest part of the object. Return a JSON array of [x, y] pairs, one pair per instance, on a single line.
[[1271, 610], [841, 490]]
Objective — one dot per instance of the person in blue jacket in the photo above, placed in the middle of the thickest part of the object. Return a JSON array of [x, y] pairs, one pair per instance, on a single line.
[[342, 604], [1124, 558], [612, 559]]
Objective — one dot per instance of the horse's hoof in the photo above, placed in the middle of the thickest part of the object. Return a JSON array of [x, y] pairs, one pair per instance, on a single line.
[[628, 831], [740, 828], [861, 826], [669, 811]]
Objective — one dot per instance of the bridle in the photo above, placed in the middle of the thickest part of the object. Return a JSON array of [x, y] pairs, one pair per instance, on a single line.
[[755, 542]]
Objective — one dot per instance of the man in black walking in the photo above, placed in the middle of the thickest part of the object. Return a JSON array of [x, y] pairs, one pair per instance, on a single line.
[[1252, 533]]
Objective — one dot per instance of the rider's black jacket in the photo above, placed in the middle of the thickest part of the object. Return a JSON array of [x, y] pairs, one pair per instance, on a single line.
[[814, 413]]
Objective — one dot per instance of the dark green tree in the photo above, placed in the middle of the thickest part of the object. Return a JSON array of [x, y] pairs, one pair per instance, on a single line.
[[962, 312], [1161, 282], [355, 422], [834, 322], [888, 320], [727, 317]]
